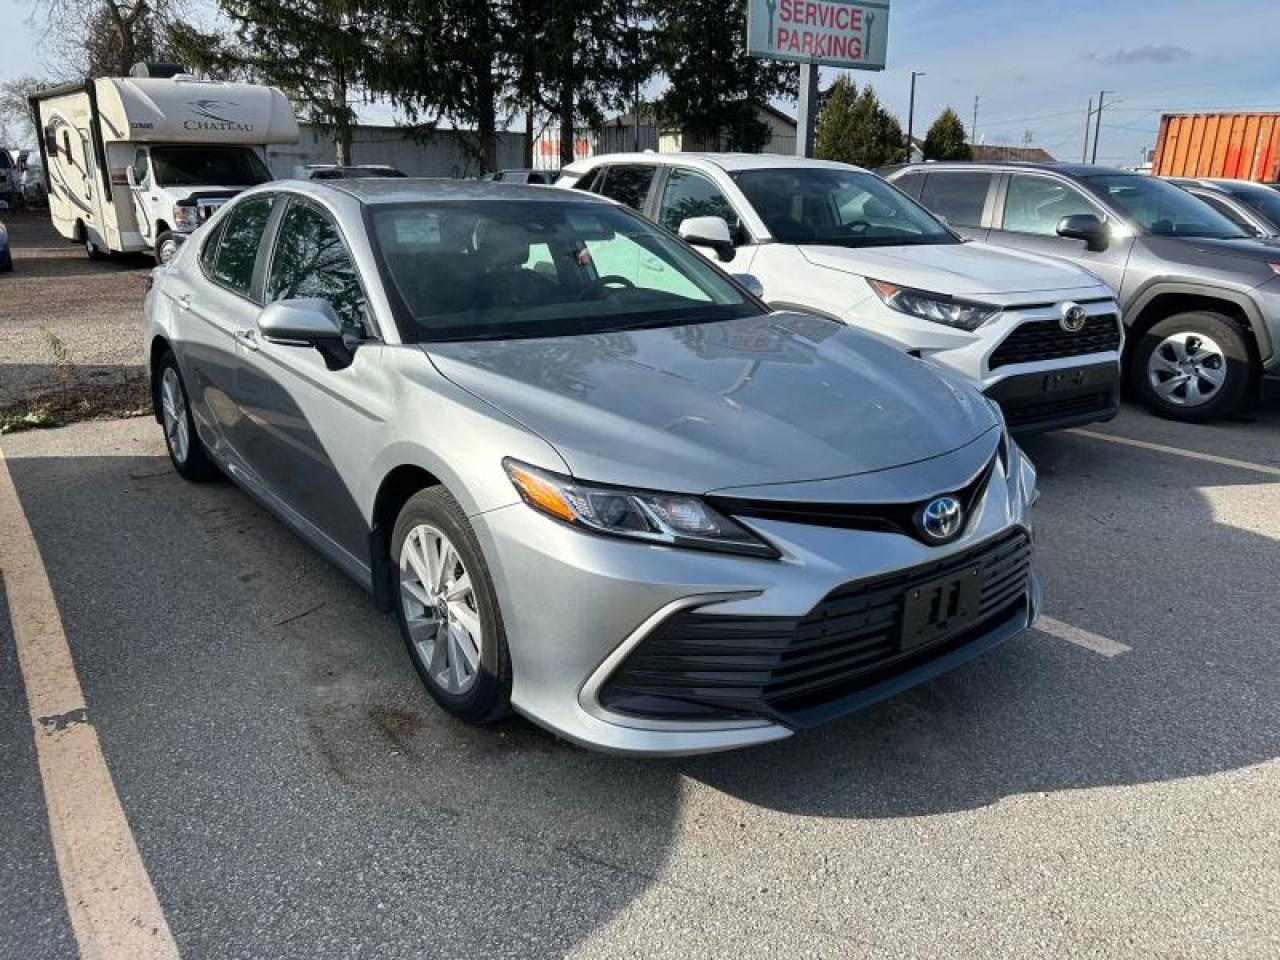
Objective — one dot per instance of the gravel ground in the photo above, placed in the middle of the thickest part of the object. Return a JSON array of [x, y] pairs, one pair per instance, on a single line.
[[94, 309]]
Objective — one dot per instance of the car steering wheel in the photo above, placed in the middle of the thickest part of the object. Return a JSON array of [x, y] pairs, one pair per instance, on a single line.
[[601, 286]]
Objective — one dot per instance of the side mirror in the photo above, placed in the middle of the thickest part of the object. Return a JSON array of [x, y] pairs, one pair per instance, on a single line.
[[752, 283], [710, 232], [307, 322], [1086, 227]]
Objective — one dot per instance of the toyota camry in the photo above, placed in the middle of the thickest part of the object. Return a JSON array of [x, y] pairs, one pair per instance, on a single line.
[[594, 478]]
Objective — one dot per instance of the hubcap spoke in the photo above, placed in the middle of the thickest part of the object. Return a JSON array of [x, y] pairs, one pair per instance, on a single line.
[[438, 601], [1187, 369]]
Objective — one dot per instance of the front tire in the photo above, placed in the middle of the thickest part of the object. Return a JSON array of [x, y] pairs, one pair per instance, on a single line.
[[1194, 367], [448, 610], [186, 450]]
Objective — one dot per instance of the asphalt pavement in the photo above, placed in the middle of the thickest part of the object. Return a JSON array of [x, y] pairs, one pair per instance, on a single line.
[[293, 792]]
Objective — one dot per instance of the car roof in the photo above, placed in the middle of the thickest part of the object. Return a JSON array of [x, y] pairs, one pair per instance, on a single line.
[[1077, 170], [419, 189], [728, 162]]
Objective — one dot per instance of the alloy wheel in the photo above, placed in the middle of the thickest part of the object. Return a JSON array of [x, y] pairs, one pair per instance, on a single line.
[[440, 609], [1187, 369], [173, 408]]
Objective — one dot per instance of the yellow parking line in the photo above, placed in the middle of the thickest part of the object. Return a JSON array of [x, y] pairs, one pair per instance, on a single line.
[[113, 908], [1180, 452]]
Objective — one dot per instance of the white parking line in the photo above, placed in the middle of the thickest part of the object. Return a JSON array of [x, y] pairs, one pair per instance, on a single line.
[[113, 908], [1081, 638], [1180, 452]]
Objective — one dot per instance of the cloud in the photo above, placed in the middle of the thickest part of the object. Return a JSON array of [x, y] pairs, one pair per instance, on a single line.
[[1148, 53]]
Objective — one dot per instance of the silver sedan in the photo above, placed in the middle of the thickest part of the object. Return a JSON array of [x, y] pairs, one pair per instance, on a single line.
[[593, 477]]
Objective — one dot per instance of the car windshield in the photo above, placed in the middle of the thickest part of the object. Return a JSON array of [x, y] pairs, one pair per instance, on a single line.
[[843, 208], [208, 166], [1162, 209], [510, 269], [1259, 199]]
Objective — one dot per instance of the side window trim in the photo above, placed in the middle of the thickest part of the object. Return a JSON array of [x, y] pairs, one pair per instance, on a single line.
[[1084, 195], [374, 331]]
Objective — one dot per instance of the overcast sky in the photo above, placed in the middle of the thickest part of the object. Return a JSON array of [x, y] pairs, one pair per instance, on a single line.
[[1034, 63]]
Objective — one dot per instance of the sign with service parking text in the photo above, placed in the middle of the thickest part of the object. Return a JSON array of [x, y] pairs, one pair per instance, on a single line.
[[835, 33]]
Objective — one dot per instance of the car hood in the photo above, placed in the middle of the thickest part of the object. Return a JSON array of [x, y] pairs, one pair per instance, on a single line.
[[769, 399], [1249, 258], [959, 269]]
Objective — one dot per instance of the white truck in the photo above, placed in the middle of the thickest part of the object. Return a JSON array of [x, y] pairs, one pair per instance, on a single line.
[[130, 162]]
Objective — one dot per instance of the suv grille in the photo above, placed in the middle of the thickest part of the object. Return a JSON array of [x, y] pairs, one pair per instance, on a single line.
[[1046, 340], [702, 665]]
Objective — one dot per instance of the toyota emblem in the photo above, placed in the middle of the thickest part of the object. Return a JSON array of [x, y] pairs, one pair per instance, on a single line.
[[941, 519], [1073, 318]]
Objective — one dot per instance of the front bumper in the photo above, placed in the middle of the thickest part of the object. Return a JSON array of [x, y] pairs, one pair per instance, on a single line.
[[575, 606], [1036, 402]]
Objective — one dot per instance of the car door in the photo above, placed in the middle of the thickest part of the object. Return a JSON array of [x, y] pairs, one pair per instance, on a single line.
[[960, 197], [214, 305], [1028, 210], [139, 184], [687, 193], [307, 428]]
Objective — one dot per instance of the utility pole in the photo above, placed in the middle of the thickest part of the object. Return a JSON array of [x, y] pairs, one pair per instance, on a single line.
[[1097, 126], [973, 131], [807, 112], [1088, 118], [911, 111]]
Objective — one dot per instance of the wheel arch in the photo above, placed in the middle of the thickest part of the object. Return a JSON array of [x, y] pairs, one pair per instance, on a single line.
[[401, 483], [159, 347], [1163, 300]]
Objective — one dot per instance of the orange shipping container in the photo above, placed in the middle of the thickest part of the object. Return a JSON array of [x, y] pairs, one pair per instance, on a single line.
[[1243, 146]]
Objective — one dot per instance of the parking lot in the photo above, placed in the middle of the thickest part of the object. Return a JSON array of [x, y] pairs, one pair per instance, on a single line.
[[1105, 785]]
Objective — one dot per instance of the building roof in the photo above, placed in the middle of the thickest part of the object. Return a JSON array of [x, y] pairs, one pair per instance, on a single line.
[[994, 153]]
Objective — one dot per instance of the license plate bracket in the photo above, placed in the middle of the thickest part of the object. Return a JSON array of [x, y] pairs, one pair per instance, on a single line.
[[941, 607]]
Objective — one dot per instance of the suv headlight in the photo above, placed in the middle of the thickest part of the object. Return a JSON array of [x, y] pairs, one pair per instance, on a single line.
[[186, 216], [673, 519], [936, 307]]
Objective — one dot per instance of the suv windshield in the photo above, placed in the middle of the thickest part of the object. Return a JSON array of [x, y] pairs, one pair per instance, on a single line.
[[208, 166], [1162, 209], [1257, 198], [501, 269], [843, 208]]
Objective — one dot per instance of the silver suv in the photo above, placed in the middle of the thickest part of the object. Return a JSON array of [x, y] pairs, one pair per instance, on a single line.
[[1200, 298]]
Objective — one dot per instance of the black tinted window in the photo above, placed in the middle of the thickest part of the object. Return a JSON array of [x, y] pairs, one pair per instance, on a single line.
[[238, 246], [208, 166], [688, 194], [590, 181], [628, 184], [209, 252], [959, 197], [911, 184], [310, 260]]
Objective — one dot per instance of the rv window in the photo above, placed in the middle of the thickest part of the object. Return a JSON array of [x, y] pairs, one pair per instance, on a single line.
[[238, 246], [206, 166], [66, 146]]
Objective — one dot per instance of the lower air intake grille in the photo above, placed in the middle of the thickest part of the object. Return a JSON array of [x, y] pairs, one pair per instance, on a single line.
[[701, 665]]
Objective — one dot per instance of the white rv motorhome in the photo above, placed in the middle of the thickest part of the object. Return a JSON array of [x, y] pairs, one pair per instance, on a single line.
[[132, 161]]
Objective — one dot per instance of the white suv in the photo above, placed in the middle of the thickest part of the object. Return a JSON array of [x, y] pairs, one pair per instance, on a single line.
[[1039, 336]]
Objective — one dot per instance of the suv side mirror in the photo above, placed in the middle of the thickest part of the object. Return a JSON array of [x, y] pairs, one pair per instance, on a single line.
[[710, 232], [752, 284], [307, 322], [1086, 227]]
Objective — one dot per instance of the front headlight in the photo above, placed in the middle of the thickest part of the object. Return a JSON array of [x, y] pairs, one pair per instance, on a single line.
[[673, 519], [186, 216], [936, 307]]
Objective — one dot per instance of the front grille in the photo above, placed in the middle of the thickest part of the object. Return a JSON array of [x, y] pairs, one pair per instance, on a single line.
[[1020, 415], [1046, 340], [702, 665]]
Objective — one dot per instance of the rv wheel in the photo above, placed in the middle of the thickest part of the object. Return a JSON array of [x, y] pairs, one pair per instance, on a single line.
[[92, 249], [165, 247]]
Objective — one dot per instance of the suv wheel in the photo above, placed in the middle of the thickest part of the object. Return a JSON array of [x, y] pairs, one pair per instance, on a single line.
[[448, 610], [1194, 367]]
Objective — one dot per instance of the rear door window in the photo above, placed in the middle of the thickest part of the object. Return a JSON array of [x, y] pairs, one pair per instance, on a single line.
[[628, 184], [960, 197], [238, 246]]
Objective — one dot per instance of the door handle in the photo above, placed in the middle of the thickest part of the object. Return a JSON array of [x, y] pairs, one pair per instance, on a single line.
[[248, 338], [184, 302]]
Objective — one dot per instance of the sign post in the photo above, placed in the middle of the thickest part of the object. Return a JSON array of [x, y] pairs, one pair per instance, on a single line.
[[853, 34]]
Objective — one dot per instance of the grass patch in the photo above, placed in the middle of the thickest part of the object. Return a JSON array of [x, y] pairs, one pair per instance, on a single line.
[[74, 402]]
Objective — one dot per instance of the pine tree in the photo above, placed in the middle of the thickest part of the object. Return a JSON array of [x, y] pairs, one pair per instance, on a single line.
[[855, 128], [946, 139]]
